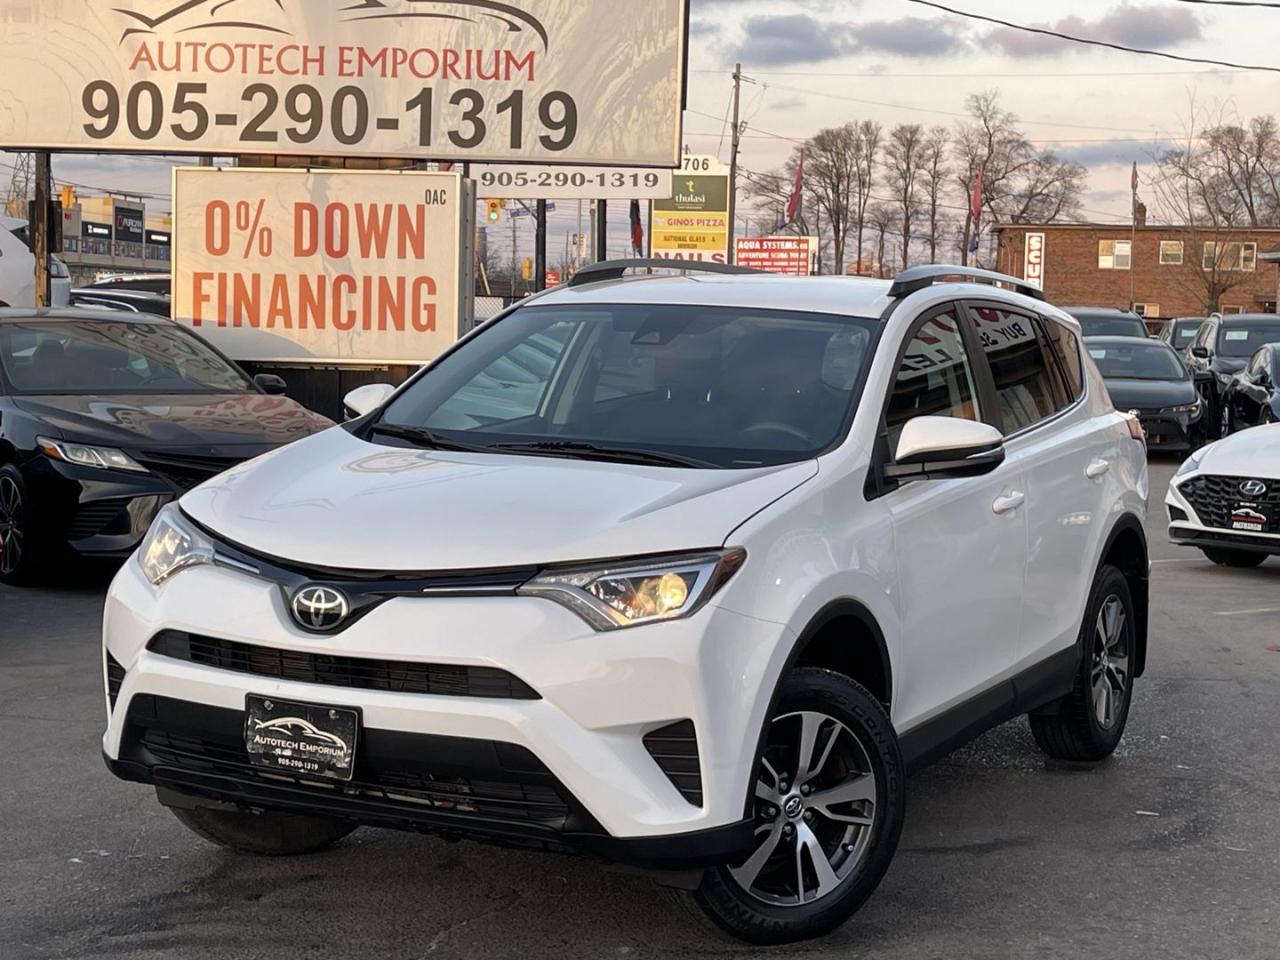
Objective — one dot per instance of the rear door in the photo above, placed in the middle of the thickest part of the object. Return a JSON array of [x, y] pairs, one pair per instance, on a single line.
[[961, 544], [1065, 459]]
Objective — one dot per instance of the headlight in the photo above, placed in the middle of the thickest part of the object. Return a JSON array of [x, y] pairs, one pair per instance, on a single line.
[[1192, 462], [172, 545], [624, 594], [104, 458], [1183, 408]]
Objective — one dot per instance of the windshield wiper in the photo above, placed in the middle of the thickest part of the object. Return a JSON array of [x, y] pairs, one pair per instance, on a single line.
[[595, 451], [427, 439]]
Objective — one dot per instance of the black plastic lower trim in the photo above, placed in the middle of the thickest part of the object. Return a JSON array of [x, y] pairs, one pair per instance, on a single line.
[[1030, 690], [1223, 541]]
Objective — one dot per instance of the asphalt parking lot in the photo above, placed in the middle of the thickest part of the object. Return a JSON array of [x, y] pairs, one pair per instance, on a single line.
[[1169, 850]]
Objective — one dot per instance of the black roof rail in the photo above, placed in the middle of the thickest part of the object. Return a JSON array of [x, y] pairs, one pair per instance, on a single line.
[[615, 269], [918, 278]]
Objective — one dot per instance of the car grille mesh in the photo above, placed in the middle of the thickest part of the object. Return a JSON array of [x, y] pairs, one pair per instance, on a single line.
[[675, 750], [187, 473], [444, 680], [1214, 498]]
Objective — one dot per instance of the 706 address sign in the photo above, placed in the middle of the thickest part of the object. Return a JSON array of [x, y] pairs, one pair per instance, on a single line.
[[346, 115]]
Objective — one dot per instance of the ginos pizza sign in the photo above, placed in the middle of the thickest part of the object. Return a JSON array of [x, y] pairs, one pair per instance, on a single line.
[[1033, 270]]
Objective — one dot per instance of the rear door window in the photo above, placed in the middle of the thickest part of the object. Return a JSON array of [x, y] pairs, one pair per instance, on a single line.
[[1027, 388]]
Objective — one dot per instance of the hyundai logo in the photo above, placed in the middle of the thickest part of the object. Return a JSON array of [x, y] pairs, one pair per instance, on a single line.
[[1253, 488], [319, 608]]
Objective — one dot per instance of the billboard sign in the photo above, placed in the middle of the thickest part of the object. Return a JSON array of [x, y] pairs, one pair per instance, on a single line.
[[791, 256], [334, 266], [130, 223], [1033, 264], [513, 182], [97, 231], [561, 81], [693, 223]]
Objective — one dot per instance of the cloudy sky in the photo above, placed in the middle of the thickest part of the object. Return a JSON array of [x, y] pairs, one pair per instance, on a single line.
[[816, 63]]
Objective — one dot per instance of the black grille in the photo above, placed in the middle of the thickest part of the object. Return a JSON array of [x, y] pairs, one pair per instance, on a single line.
[[1214, 498], [110, 517], [187, 473], [397, 775], [675, 749], [444, 680], [115, 679]]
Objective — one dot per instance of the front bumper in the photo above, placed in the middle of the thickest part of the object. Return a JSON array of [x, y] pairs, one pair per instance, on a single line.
[[580, 746], [1189, 528], [1170, 432], [101, 513]]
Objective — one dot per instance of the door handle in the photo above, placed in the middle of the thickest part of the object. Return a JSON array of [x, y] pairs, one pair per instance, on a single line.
[[1009, 503], [1097, 469]]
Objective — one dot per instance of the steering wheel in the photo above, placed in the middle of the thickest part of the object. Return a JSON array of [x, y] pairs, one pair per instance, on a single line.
[[776, 426]]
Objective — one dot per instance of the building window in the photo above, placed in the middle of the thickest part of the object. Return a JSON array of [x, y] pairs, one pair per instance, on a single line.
[[1227, 311], [1234, 257], [1114, 254], [1147, 310], [1170, 253]]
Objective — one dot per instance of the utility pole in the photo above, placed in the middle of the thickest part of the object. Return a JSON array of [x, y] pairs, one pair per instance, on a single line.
[[733, 156], [540, 249], [602, 230], [515, 264], [44, 197]]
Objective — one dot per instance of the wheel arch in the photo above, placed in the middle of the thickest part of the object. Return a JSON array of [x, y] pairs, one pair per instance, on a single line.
[[1126, 549], [845, 637]]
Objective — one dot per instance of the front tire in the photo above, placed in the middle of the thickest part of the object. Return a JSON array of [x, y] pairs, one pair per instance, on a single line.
[[19, 560], [1089, 723], [829, 805], [263, 834], [1234, 558]]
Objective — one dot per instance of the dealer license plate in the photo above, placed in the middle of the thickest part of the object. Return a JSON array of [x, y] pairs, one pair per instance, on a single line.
[[1250, 518], [301, 738]]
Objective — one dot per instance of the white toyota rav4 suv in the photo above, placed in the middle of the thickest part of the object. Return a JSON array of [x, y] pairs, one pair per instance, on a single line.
[[686, 572]]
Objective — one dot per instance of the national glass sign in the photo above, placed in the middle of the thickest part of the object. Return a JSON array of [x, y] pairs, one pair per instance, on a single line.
[[560, 81]]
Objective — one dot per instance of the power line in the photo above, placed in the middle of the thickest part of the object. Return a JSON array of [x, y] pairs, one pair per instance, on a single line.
[[1044, 32], [1235, 3]]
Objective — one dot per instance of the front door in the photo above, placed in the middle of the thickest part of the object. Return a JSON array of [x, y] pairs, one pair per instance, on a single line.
[[961, 544]]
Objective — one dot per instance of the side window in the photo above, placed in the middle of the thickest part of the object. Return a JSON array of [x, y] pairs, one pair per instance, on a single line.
[[1025, 384], [1258, 364], [935, 378], [1065, 348]]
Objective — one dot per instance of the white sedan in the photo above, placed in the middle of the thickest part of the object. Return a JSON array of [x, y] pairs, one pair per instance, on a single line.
[[1226, 499]]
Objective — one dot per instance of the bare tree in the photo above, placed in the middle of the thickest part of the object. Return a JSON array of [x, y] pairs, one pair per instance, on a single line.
[[832, 175], [884, 219], [934, 171], [867, 137], [1198, 197], [903, 157], [1246, 158], [1019, 183]]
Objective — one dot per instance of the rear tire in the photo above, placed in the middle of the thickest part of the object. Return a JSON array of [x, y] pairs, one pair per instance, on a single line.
[[844, 810], [1089, 723], [19, 558], [1235, 558], [263, 834]]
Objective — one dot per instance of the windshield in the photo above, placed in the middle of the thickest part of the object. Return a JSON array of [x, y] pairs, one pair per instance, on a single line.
[[723, 386], [1111, 325], [1184, 332], [111, 357], [1242, 340], [1156, 361]]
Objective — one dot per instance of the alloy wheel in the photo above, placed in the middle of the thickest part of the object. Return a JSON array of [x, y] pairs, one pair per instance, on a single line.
[[1110, 667], [1224, 425], [11, 526], [815, 811]]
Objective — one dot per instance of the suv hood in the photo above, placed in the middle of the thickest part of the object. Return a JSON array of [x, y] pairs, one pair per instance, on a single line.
[[180, 421], [334, 500], [1250, 453]]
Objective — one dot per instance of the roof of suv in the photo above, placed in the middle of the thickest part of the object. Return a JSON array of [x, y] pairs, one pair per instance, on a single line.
[[18, 315], [855, 296]]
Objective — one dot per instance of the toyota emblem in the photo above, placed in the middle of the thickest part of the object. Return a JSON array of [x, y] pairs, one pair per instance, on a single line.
[[320, 608], [1253, 488]]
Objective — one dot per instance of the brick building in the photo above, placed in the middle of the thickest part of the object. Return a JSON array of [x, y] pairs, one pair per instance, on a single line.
[[1169, 268]]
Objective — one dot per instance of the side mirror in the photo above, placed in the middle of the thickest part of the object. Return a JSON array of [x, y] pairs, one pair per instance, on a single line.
[[940, 448], [270, 384], [1201, 351], [367, 399]]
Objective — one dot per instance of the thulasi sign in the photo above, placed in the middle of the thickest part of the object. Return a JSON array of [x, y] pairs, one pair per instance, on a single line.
[[338, 266], [568, 81]]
